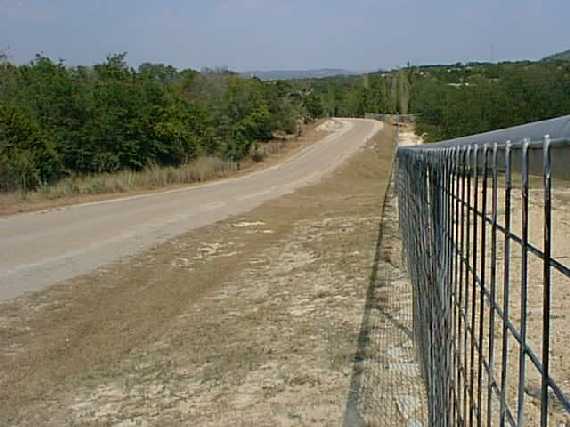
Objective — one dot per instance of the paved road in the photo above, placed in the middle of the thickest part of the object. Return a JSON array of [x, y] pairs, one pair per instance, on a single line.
[[40, 249]]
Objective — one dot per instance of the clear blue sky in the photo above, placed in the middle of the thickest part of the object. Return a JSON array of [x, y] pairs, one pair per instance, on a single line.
[[290, 34]]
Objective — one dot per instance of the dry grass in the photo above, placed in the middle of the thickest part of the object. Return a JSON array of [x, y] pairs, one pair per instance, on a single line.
[[152, 177], [80, 189]]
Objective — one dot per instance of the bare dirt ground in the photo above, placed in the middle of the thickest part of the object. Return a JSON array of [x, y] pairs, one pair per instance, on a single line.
[[253, 320], [407, 135], [387, 387], [559, 337]]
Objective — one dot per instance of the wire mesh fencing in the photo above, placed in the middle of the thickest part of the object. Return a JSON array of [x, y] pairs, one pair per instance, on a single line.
[[485, 223]]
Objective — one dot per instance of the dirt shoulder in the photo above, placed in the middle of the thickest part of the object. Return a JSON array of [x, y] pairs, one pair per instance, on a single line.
[[251, 321], [277, 151]]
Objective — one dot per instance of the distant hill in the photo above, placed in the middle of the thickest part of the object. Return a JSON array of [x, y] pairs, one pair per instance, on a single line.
[[297, 74], [561, 56]]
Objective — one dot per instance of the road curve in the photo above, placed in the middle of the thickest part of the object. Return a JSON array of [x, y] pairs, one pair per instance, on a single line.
[[41, 248]]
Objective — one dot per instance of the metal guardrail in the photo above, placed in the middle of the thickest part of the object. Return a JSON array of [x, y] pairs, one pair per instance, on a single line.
[[395, 118], [478, 276]]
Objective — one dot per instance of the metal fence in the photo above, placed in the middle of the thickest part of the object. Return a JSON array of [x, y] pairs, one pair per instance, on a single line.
[[485, 222], [394, 118]]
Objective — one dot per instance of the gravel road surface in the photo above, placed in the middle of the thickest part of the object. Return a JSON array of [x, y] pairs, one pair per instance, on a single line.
[[42, 248]]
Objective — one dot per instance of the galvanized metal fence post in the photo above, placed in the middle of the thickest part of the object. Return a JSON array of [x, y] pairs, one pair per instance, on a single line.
[[460, 263]]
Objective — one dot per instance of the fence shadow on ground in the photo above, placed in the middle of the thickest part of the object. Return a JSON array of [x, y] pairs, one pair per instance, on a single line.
[[352, 417], [386, 387]]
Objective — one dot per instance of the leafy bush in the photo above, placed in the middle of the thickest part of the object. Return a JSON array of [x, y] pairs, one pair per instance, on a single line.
[[27, 156], [58, 121]]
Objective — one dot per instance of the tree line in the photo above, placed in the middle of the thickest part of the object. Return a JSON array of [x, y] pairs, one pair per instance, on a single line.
[[57, 121], [454, 100]]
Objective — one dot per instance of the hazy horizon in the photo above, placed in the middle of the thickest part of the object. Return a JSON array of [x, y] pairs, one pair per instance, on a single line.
[[263, 35]]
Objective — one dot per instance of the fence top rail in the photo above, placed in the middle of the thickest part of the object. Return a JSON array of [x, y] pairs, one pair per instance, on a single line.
[[532, 144], [558, 130]]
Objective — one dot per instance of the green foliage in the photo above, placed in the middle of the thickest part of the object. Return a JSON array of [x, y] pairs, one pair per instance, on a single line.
[[58, 121], [353, 96], [159, 72], [314, 106], [27, 157], [464, 100], [450, 101]]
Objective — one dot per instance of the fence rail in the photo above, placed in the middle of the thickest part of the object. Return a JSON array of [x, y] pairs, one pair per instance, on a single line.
[[396, 118], [485, 222]]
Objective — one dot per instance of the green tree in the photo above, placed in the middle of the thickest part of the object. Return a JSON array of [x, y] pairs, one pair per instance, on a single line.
[[27, 156]]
